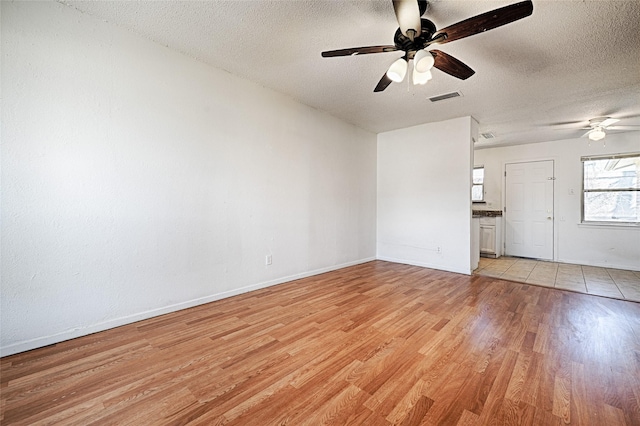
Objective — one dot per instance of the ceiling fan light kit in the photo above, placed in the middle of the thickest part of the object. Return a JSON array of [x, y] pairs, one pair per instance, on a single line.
[[398, 70], [420, 78], [423, 60], [597, 134], [416, 34]]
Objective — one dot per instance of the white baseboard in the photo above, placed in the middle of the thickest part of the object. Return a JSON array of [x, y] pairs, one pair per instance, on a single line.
[[117, 322], [425, 265]]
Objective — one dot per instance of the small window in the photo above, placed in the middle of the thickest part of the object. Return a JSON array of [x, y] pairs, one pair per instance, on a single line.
[[611, 189], [477, 188]]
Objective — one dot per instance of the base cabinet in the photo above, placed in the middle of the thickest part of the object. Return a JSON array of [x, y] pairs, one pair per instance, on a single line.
[[490, 237], [487, 239]]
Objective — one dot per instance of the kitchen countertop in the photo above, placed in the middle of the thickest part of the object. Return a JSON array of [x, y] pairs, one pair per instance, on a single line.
[[487, 213]]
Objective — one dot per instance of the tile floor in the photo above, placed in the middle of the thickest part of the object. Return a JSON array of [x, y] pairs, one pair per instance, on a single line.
[[615, 283]]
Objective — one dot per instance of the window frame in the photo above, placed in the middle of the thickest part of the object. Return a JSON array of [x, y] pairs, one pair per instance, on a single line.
[[584, 191], [478, 184]]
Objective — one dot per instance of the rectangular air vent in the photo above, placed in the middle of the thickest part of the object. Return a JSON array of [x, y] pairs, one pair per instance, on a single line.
[[445, 96], [487, 135]]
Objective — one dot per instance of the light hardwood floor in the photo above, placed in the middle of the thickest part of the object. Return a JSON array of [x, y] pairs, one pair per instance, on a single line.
[[374, 344]]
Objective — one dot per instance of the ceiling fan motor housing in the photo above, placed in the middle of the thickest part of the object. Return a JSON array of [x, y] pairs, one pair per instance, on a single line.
[[403, 42]]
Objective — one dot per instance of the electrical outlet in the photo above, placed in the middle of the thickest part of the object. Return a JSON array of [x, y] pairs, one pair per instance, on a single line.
[[439, 249], [267, 260]]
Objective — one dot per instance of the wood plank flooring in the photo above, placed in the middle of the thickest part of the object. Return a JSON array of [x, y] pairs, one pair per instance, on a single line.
[[374, 344]]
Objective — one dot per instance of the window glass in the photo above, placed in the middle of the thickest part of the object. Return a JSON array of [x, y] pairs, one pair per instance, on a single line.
[[477, 189], [478, 175], [611, 189]]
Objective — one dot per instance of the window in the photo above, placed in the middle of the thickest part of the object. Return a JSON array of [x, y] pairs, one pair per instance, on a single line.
[[477, 189], [611, 189]]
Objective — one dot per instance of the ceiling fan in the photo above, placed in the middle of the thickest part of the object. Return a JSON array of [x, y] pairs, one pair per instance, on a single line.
[[416, 34], [597, 127]]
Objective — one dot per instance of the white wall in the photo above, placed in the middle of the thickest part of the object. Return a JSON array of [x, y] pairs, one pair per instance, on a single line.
[[424, 195], [137, 181], [616, 247]]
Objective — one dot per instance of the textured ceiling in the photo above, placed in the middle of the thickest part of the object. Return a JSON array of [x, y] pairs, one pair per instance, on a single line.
[[568, 62]]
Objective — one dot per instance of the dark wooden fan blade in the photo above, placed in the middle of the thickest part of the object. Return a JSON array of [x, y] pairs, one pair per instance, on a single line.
[[358, 51], [423, 5], [383, 83], [486, 21], [452, 66]]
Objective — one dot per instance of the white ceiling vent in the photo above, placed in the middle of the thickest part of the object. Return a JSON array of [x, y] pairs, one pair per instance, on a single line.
[[445, 96], [487, 135]]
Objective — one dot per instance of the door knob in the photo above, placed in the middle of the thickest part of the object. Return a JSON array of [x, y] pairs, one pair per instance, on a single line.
[[549, 218]]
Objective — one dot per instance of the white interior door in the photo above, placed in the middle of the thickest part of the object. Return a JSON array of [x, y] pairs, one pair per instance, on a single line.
[[529, 209]]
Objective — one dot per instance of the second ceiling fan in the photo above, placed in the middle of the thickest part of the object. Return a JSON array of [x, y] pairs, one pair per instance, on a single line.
[[416, 34]]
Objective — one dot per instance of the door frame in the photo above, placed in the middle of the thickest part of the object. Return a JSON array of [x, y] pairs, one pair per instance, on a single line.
[[504, 202]]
